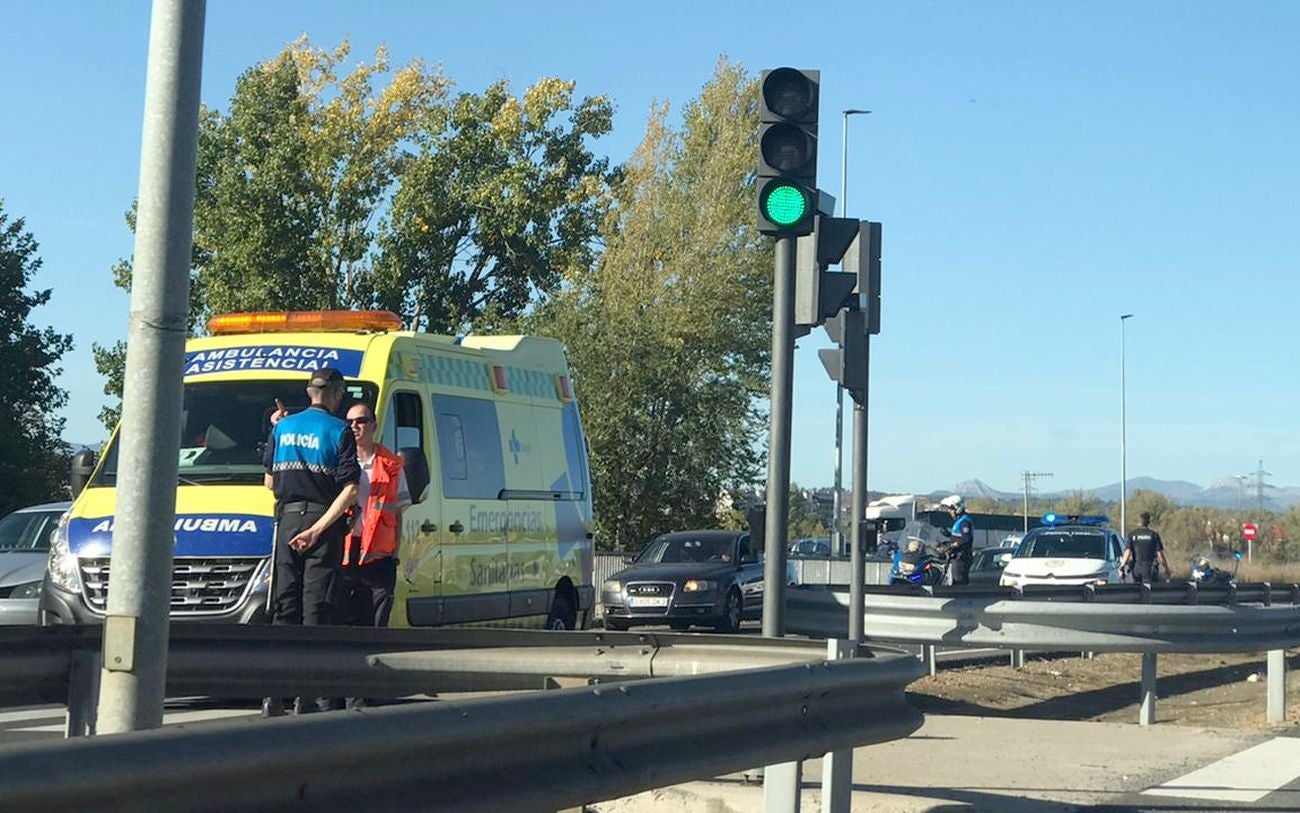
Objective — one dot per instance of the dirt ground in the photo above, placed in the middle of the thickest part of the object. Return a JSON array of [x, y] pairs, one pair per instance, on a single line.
[[1213, 691]]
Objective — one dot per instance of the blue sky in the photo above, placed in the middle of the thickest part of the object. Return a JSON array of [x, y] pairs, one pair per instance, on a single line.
[[1040, 168]]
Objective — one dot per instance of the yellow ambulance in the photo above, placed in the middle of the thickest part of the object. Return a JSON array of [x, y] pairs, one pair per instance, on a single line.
[[501, 529]]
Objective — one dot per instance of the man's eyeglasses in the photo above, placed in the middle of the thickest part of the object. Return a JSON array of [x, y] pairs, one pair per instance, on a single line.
[[360, 421]]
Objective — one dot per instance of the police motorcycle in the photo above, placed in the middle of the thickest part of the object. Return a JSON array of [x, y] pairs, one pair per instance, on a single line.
[[917, 563], [1204, 573]]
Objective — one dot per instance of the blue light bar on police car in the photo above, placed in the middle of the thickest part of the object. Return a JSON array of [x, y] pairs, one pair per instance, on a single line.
[[1075, 519]]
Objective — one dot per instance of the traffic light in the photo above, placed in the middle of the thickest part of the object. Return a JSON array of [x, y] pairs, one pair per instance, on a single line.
[[787, 151], [847, 363], [863, 261], [819, 294]]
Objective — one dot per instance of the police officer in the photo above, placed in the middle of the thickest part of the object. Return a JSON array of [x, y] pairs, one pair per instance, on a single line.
[[962, 546], [1144, 548], [311, 466]]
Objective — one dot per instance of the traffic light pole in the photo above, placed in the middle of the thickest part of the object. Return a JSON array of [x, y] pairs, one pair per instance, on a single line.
[[857, 565], [778, 445]]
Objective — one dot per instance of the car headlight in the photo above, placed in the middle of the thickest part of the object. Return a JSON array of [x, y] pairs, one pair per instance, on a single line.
[[613, 586], [29, 590], [63, 568], [699, 585], [262, 576]]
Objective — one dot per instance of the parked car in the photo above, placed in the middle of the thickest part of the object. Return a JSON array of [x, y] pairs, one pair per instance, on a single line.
[[1069, 550], [688, 578], [811, 546], [24, 553], [986, 567]]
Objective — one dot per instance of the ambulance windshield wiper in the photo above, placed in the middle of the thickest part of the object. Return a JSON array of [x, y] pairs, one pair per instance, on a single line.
[[188, 482]]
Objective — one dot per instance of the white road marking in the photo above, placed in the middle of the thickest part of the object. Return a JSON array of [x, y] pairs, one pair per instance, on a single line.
[[171, 718], [30, 714], [1247, 776]]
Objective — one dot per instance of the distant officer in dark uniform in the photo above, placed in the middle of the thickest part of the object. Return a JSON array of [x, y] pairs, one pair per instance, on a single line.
[[1144, 548], [961, 548], [311, 466]]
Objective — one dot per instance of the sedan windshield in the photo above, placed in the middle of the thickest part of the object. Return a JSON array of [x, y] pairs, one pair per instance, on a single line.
[[1064, 545], [667, 550], [991, 559], [224, 428], [28, 531]]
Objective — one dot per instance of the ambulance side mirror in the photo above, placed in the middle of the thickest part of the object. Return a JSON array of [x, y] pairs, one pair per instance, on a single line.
[[416, 466], [83, 464]]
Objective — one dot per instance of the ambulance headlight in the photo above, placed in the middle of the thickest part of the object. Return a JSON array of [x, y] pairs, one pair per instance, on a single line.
[[64, 572], [613, 586], [262, 576]]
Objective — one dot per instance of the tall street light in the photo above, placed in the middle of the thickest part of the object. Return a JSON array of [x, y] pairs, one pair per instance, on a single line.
[[1123, 437], [836, 500]]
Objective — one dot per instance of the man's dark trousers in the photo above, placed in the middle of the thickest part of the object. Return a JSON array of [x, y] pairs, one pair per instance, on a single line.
[[306, 583]]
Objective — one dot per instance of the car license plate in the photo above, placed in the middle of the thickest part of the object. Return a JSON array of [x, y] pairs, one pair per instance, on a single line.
[[648, 601]]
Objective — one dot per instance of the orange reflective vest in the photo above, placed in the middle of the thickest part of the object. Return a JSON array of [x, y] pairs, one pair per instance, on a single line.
[[379, 522]]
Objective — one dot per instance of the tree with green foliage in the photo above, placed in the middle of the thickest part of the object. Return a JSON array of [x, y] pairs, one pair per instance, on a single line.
[[322, 189], [669, 335], [503, 199], [33, 456]]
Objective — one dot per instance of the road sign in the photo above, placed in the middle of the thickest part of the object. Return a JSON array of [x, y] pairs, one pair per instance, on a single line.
[[1248, 531]]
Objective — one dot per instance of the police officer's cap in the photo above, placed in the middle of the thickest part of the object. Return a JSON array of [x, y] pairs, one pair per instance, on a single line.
[[326, 378]]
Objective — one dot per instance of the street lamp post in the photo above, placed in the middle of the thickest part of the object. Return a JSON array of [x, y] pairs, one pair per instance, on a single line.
[[1123, 433], [836, 498]]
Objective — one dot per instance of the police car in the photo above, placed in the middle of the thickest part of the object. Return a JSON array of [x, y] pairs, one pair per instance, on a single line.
[[1066, 550]]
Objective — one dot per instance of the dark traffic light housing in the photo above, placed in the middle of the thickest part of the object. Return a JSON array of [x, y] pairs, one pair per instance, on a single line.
[[787, 151]]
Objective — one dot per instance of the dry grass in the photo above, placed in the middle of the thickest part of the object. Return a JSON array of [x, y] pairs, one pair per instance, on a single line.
[[1284, 573]]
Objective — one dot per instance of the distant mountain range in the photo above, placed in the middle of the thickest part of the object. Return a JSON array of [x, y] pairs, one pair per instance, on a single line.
[[1226, 493]]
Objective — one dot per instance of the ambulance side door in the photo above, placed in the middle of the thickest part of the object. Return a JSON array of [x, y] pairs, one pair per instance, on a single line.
[[406, 425]]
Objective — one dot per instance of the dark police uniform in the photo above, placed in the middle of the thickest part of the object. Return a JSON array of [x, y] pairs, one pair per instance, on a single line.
[[1143, 545], [311, 456], [963, 538]]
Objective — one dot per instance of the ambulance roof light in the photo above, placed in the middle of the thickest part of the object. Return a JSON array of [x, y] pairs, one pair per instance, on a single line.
[[304, 322]]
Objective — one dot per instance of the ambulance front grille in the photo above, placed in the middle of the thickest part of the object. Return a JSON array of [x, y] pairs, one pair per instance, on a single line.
[[199, 586]]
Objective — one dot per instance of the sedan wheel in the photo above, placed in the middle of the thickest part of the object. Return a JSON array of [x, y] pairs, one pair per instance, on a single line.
[[731, 613]]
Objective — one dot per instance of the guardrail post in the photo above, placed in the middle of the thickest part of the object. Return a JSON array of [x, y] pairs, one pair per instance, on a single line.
[[83, 694], [837, 766], [781, 787], [1017, 659], [928, 658], [1147, 711], [1277, 685]]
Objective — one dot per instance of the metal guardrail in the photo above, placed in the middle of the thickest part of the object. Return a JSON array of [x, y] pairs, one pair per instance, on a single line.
[[36, 664], [1108, 618], [1046, 621], [540, 751]]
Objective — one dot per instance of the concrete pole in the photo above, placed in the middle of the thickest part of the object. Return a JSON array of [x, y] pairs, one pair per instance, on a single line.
[[778, 446], [1277, 685], [1147, 711], [139, 596], [837, 766]]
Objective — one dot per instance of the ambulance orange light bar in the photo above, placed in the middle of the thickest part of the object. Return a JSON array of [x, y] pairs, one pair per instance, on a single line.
[[304, 322]]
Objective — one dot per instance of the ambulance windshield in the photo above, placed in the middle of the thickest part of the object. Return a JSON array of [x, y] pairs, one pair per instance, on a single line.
[[224, 429]]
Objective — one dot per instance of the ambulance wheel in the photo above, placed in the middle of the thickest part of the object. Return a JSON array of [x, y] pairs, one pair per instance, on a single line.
[[563, 615]]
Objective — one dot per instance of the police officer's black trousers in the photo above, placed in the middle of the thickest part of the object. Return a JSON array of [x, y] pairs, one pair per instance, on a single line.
[[306, 584]]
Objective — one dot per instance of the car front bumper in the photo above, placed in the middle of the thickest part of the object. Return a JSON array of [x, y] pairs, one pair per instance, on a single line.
[[698, 607]]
